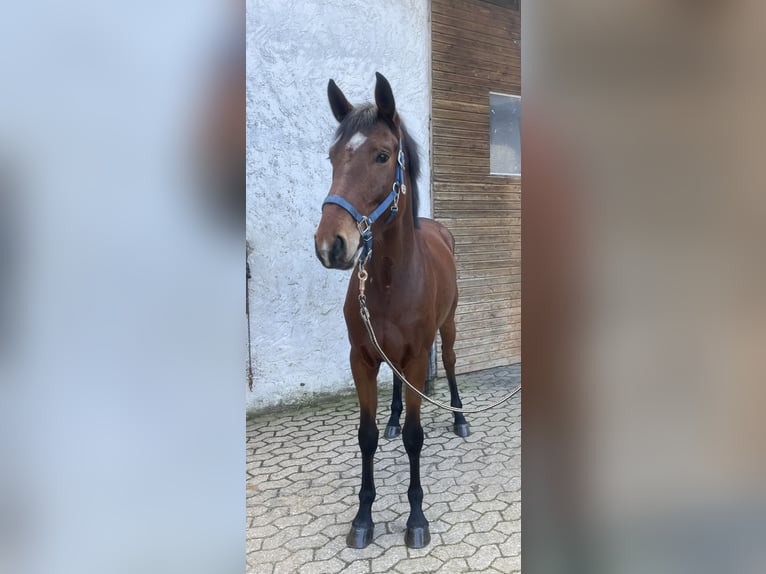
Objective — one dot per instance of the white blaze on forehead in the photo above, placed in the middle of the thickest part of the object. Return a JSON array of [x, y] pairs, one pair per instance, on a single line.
[[356, 140]]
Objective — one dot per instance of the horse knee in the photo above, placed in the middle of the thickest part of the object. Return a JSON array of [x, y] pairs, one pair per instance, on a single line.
[[412, 436], [368, 437]]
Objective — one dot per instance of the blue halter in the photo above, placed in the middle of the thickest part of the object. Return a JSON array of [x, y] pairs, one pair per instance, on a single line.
[[365, 222]]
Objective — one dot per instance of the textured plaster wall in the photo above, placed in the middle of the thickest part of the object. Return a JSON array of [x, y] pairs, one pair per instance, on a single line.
[[299, 345]]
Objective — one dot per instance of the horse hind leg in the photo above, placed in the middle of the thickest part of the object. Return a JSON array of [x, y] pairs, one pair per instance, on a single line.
[[393, 428], [448, 332], [429, 388]]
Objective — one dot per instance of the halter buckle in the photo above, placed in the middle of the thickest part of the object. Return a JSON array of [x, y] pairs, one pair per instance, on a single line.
[[364, 226], [396, 189], [400, 158]]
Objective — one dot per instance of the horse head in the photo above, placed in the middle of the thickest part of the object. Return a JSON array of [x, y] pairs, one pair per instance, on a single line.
[[364, 159]]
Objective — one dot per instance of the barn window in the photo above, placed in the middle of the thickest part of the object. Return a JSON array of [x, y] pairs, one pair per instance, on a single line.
[[504, 134]]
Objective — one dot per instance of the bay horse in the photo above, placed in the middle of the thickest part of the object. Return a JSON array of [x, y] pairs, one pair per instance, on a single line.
[[412, 287]]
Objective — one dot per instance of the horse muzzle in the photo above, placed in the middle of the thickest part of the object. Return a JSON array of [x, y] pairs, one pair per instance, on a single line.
[[335, 254]]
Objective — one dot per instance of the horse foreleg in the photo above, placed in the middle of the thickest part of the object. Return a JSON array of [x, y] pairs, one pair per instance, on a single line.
[[393, 428], [448, 331], [365, 376], [417, 534]]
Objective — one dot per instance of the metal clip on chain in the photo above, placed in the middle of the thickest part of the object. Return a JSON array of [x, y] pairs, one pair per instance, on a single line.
[[362, 274]]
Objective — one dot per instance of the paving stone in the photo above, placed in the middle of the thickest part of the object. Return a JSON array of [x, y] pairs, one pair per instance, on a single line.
[[271, 556], [458, 550], [511, 496], [292, 563], [281, 538], [421, 564], [441, 497], [333, 508], [322, 567], [511, 546], [358, 567], [489, 506], [262, 532], [256, 568], [388, 539], [485, 538], [508, 564], [483, 558], [487, 521], [435, 511], [454, 566], [275, 484], [351, 554], [317, 525], [294, 520], [303, 472], [457, 533], [331, 549], [455, 517], [301, 542], [392, 556], [508, 527], [254, 544]]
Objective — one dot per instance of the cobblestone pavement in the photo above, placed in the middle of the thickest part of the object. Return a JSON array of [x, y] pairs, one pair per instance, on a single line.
[[304, 471]]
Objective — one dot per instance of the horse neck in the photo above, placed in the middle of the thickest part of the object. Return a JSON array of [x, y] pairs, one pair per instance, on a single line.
[[395, 250], [398, 239]]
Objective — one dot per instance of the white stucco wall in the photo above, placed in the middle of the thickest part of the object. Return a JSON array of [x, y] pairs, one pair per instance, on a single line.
[[298, 337]]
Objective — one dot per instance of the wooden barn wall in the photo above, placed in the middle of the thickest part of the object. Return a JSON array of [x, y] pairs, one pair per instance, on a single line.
[[476, 49]]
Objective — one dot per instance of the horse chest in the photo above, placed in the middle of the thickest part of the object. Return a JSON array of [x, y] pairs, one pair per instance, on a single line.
[[399, 283]]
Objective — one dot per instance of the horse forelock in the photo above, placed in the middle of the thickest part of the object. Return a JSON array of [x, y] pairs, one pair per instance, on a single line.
[[361, 119]]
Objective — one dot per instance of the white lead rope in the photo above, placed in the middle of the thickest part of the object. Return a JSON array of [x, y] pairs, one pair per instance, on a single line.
[[368, 325]]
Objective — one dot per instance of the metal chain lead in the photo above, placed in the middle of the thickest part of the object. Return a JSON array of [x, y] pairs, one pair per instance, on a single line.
[[365, 313]]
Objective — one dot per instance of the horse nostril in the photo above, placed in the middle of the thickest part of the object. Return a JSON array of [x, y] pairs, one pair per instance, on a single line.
[[338, 249]]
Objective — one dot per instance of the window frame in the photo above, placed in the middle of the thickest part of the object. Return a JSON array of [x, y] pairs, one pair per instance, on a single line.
[[489, 135]]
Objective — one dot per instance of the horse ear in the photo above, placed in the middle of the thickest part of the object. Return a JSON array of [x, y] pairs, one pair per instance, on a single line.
[[338, 103], [384, 98]]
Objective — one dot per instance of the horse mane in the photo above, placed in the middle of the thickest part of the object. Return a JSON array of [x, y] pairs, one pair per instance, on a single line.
[[362, 118]]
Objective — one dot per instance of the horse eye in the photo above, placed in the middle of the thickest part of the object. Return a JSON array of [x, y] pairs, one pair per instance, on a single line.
[[381, 158]]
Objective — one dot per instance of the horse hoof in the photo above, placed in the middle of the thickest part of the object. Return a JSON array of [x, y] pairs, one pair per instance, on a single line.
[[359, 536], [392, 431], [461, 430], [417, 537]]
